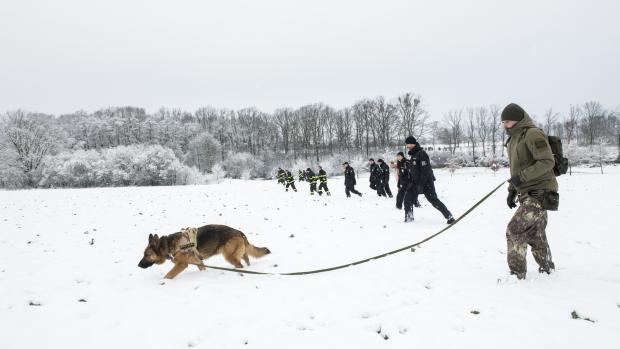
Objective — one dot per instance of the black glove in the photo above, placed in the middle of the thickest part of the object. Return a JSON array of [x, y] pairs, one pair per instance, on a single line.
[[512, 196], [515, 181]]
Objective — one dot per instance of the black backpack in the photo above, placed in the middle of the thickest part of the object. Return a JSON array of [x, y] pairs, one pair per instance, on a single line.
[[561, 163]]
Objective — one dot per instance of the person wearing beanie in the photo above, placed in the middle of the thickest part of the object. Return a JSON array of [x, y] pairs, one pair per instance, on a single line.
[[349, 180], [533, 183], [421, 181]]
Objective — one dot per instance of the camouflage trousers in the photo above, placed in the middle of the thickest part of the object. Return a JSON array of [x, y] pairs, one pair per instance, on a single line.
[[527, 227]]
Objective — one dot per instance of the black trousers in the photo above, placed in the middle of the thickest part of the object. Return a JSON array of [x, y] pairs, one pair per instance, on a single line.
[[291, 184], [386, 188], [400, 197], [380, 188], [312, 187], [431, 195], [351, 189], [323, 187]]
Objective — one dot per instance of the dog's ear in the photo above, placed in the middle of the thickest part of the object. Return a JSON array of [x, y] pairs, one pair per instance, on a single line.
[[163, 245], [150, 238]]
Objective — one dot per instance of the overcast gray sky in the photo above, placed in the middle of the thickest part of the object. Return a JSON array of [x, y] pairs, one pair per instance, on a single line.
[[63, 55]]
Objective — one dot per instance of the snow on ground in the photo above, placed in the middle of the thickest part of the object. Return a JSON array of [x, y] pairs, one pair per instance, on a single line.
[[69, 276]]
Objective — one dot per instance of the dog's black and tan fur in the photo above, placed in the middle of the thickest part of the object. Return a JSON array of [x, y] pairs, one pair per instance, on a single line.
[[210, 240]]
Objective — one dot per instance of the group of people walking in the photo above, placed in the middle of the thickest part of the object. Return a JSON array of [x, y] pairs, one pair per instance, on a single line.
[[285, 177]]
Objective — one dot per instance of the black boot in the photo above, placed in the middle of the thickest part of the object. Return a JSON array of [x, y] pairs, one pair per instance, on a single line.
[[408, 217], [451, 220]]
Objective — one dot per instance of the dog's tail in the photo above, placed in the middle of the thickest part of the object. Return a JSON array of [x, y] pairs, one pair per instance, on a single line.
[[254, 251]]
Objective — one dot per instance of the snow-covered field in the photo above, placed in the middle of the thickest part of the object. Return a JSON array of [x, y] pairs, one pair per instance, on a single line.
[[69, 276]]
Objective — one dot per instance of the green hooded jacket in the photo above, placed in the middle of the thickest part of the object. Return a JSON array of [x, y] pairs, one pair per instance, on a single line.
[[530, 157]]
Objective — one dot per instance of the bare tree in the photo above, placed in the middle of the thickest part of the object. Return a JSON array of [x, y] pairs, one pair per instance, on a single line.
[[470, 126], [385, 117], [362, 112], [344, 126], [494, 118], [593, 113], [550, 118], [453, 121], [283, 118], [413, 117], [482, 124]]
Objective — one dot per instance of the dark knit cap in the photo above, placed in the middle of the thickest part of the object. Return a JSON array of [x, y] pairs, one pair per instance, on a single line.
[[345, 163], [380, 160], [411, 140], [371, 159], [400, 153], [513, 112]]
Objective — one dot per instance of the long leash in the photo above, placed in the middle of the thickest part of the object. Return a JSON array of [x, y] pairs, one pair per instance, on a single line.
[[417, 244]]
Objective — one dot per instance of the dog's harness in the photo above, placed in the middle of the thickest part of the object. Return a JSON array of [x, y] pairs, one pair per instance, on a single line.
[[187, 243]]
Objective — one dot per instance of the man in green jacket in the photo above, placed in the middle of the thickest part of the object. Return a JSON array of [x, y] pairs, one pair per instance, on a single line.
[[532, 181]]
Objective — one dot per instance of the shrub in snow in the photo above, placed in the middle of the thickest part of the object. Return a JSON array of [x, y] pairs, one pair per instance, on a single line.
[[120, 166], [244, 164]]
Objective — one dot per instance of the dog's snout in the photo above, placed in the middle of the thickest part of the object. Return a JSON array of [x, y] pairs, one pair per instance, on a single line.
[[144, 264]]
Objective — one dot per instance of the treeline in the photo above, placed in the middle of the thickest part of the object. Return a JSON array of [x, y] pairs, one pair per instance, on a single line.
[[77, 150]]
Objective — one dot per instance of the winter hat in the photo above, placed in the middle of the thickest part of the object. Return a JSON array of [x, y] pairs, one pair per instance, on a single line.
[[400, 153], [308, 169], [411, 140], [513, 112], [371, 159], [345, 163], [380, 160]]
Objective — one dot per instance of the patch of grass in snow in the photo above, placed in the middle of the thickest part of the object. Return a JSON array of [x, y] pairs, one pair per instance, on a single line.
[[576, 316]]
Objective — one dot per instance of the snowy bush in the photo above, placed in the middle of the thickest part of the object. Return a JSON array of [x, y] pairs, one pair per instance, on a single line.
[[119, 166], [203, 151], [244, 165]]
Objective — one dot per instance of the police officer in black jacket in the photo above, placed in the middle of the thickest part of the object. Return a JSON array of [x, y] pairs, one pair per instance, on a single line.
[[374, 175], [384, 178], [421, 181], [349, 180]]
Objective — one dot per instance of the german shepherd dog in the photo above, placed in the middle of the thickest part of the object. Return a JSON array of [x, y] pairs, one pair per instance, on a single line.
[[192, 245]]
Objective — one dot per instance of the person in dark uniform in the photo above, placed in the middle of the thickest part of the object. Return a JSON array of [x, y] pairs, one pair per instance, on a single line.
[[374, 176], [302, 175], [349, 180], [402, 175], [384, 178], [281, 176], [290, 180], [422, 181], [402, 171], [323, 182], [312, 178]]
